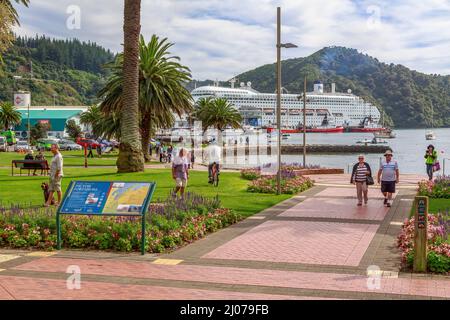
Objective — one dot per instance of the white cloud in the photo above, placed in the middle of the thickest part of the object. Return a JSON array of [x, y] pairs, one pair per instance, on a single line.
[[219, 39]]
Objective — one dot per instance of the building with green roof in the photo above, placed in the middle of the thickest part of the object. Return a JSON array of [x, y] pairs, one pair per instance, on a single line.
[[57, 117]]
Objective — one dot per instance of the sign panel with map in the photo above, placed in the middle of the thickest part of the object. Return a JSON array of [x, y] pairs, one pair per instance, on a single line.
[[111, 198]]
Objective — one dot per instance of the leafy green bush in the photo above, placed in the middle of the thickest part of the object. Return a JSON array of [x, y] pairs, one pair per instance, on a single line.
[[182, 221], [438, 262]]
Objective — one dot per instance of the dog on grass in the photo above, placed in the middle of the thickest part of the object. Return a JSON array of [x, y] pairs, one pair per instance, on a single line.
[[44, 187]]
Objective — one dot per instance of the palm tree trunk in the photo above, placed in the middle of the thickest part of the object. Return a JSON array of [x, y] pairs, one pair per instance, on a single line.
[[130, 155], [145, 135]]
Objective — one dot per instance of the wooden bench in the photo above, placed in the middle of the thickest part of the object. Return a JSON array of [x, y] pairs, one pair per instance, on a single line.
[[30, 165]]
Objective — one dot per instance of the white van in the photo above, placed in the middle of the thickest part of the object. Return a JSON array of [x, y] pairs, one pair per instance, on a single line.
[[2, 144]]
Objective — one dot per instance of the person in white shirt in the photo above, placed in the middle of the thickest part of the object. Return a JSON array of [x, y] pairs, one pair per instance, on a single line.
[[56, 174], [180, 171], [214, 156]]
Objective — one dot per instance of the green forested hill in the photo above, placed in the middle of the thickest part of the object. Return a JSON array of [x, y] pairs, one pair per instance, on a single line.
[[68, 68], [407, 96]]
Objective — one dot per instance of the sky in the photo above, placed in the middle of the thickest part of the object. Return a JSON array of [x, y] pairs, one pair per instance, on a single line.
[[218, 39]]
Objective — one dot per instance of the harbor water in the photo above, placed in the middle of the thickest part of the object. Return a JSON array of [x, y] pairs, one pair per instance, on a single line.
[[409, 148]]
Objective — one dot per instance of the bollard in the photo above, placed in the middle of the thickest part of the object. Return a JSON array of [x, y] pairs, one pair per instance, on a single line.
[[420, 234]]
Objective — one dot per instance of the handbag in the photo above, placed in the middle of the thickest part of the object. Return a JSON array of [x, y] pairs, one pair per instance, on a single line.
[[370, 181], [436, 166]]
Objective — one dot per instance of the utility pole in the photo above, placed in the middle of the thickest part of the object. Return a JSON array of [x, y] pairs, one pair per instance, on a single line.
[[279, 98], [304, 124]]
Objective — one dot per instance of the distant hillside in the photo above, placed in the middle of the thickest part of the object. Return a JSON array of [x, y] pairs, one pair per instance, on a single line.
[[68, 68], [407, 96]]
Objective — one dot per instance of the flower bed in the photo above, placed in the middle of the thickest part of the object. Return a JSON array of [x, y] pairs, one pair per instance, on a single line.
[[438, 242], [291, 183], [257, 172], [170, 224], [439, 188]]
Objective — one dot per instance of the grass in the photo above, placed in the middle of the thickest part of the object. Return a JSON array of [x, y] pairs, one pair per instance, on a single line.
[[71, 158], [439, 205], [434, 206], [231, 191]]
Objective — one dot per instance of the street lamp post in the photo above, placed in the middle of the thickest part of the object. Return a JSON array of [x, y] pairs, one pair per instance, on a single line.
[[279, 46], [304, 124]]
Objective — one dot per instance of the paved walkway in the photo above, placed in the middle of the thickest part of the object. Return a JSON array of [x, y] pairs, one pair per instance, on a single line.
[[317, 245]]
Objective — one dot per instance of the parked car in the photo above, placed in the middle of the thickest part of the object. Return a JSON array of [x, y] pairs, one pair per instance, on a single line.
[[22, 145], [69, 145], [45, 144], [86, 142], [2, 144]]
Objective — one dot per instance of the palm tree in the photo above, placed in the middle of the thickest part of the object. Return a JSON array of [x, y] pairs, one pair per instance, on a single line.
[[161, 88], [9, 116], [8, 19], [217, 113], [101, 124], [91, 117], [130, 155]]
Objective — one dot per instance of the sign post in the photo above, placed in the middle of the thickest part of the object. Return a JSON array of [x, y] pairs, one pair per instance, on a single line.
[[420, 236], [106, 198]]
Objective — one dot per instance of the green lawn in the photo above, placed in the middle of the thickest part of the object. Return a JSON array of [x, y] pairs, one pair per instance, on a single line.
[[437, 205], [232, 189], [71, 158], [434, 206]]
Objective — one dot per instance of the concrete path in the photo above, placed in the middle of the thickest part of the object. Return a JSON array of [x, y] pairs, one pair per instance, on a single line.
[[317, 245]]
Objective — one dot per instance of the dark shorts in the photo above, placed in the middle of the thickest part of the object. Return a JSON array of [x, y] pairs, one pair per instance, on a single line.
[[388, 186]]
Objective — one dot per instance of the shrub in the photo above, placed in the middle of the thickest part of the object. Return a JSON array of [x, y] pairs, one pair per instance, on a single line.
[[439, 188], [438, 243], [289, 184], [180, 222]]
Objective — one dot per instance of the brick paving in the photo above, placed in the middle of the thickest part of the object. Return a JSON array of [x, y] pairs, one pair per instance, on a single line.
[[300, 242], [337, 208], [317, 245]]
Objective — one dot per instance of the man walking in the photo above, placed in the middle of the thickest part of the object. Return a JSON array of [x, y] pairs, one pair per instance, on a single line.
[[388, 175], [180, 172], [56, 174], [214, 157]]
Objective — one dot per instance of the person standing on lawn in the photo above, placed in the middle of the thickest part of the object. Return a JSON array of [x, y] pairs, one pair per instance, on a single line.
[[90, 154], [388, 175], [360, 174], [56, 174], [430, 160], [180, 171]]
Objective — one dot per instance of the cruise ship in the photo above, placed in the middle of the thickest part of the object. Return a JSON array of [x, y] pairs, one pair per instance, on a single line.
[[324, 110]]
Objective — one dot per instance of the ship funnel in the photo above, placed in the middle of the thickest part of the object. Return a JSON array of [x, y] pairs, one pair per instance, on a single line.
[[233, 82], [318, 87], [333, 87]]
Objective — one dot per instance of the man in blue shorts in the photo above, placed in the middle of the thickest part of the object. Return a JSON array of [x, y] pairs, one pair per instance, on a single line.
[[388, 175]]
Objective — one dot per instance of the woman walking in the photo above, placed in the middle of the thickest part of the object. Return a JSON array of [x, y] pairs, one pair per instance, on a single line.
[[360, 174], [430, 160]]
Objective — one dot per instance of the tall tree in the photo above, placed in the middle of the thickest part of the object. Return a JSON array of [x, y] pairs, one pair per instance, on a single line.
[[130, 155], [162, 91], [73, 129], [8, 19], [217, 113], [106, 125], [9, 116]]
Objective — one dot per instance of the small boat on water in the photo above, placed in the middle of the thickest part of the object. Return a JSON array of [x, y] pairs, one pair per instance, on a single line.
[[385, 134], [375, 140], [430, 135]]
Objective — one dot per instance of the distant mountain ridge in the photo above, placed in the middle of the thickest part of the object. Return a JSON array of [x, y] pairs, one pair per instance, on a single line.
[[407, 96], [68, 72]]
